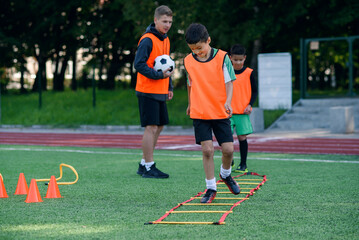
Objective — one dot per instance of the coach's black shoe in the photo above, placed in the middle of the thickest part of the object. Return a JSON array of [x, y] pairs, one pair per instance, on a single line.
[[231, 184], [141, 169], [232, 165], [209, 196], [154, 173]]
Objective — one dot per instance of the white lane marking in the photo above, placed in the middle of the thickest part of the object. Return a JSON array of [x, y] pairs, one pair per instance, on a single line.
[[170, 154]]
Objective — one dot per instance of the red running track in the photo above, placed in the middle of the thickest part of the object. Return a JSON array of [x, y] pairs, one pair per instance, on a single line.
[[171, 142]]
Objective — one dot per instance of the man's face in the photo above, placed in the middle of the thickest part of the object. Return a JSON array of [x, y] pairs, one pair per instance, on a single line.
[[163, 24], [237, 61]]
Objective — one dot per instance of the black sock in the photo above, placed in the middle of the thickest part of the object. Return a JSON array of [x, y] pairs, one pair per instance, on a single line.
[[243, 149]]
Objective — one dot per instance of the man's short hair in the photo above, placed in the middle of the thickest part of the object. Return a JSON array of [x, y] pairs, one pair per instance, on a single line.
[[163, 10], [196, 33], [237, 49]]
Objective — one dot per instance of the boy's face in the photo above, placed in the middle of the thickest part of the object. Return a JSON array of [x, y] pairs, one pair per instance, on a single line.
[[201, 49], [238, 61], [163, 23]]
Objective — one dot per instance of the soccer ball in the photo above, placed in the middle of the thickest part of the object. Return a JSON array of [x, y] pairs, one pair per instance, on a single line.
[[163, 63]]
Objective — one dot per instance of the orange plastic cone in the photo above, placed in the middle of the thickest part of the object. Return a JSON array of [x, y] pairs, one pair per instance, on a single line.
[[21, 187], [53, 189], [34, 194], [3, 193]]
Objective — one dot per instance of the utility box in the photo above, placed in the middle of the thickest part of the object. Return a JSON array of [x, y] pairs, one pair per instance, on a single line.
[[257, 120], [341, 119], [275, 80]]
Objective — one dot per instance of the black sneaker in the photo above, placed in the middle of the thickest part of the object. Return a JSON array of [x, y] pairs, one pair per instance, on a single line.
[[231, 184], [209, 196], [154, 173], [232, 164], [141, 169]]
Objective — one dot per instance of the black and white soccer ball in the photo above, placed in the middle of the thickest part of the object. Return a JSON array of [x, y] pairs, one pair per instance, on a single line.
[[163, 63]]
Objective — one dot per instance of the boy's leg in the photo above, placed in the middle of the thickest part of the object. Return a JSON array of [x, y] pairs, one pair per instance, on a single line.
[[223, 133], [243, 128], [208, 162], [227, 154], [233, 124], [225, 174], [208, 165], [203, 135], [243, 149]]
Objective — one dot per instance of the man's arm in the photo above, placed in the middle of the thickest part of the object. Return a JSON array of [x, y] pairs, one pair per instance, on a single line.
[[143, 53]]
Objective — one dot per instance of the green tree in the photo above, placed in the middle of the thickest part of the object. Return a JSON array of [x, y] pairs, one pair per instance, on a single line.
[[109, 30], [13, 36]]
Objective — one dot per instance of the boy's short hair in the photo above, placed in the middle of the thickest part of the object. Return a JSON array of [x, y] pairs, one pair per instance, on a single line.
[[237, 49], [196, 33], [162, 10]]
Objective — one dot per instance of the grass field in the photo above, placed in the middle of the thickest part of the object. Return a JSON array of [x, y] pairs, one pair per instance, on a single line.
[[71, 109], [305, 197]]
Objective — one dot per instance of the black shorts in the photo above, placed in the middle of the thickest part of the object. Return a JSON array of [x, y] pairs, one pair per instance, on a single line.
[[221, 129], [152, 112]]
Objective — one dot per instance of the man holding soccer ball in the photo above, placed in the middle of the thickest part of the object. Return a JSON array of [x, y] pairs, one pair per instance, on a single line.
[[153, 88]]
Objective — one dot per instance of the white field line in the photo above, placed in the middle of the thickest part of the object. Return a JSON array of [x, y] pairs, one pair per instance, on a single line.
[[171, 154], [174, 147]]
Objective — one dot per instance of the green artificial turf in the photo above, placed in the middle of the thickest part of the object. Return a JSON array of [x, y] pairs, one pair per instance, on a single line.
[[305, 197]]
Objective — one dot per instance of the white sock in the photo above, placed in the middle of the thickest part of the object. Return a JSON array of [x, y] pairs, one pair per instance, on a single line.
[[148, 165], [225, 172], [143, 161], [211, 184]]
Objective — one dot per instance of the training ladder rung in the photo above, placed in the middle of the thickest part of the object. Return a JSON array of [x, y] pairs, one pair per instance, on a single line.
[[240, 179], [232, 193], [241, 183], [208, 204], [206, 223], [221, 198], [199, 211]]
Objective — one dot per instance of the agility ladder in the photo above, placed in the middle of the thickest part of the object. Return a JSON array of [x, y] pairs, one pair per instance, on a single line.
[[251, 181]]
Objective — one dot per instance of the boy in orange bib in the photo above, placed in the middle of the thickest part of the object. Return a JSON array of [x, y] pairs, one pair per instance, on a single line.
[[209, 79], [244, 95]]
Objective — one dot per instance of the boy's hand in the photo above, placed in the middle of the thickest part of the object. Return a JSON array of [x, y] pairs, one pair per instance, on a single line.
[[188, 111], [167, 73], [228, 109], [248, 109]]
